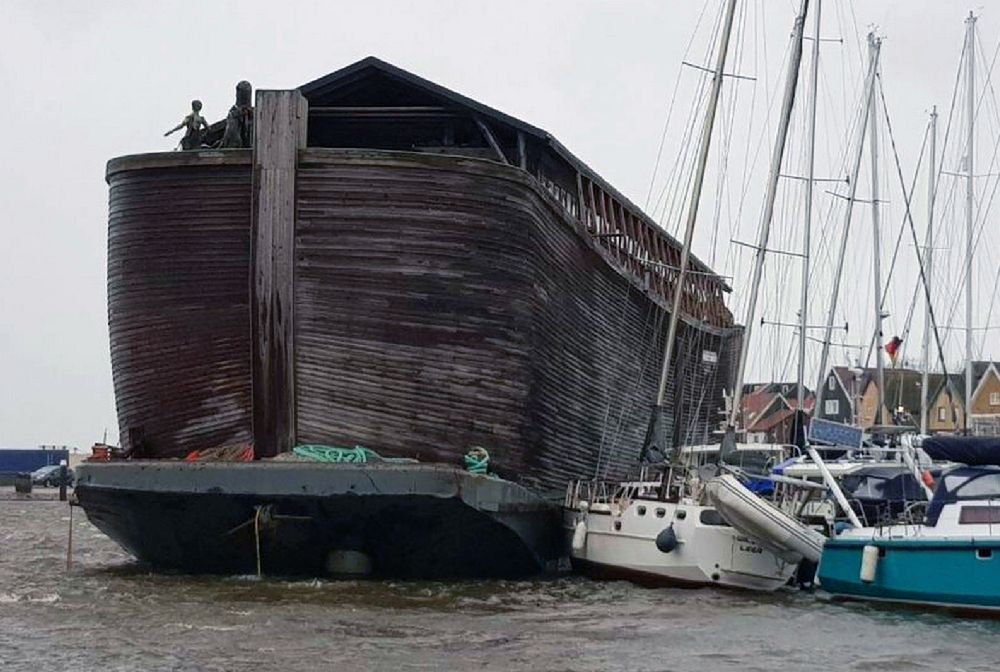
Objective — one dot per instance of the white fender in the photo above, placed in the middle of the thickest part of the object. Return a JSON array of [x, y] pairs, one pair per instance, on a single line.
[[869, 563], [773, 529], [580, 536]]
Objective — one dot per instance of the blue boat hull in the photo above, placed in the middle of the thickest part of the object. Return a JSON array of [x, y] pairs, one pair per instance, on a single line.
[[962, 574]]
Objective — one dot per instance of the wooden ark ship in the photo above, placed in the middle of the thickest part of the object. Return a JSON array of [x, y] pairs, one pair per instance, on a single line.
[[396, 266]]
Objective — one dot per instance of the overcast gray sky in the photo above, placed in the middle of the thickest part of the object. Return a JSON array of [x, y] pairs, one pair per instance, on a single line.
[[87, 81]]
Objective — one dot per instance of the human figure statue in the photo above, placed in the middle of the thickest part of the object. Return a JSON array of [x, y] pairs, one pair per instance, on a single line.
[[193, 123], [239, 121]]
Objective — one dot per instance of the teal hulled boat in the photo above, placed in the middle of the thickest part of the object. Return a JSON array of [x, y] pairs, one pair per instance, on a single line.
[[951, 559]]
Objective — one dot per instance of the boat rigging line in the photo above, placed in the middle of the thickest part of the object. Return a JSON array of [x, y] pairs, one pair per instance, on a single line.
[[920, 262]]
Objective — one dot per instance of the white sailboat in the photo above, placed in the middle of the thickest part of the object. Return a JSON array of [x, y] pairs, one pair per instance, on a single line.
[[661, 529], [638, 534]]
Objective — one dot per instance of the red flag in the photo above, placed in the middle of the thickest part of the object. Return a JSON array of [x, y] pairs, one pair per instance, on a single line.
[[892, 348]]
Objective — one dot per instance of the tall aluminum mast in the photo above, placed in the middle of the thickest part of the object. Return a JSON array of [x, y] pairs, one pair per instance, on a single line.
[[810, 178], [873, 57], [692, 217], [970, 85], [788, 102], [928, 265], [873, 46]]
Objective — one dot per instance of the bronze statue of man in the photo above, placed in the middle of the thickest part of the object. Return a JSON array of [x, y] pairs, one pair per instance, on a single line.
[[193, 123], [239, 121]]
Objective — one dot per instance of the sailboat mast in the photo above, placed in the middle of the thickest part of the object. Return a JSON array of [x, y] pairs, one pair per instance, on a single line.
[[692, 217], [788, 102], [807, 225], [931, 174], [849, 210], [873, 46], [970, 86]]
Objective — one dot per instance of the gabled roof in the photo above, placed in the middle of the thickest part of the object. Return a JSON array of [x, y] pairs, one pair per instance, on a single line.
[[756, 405], [771, 421], [808, 404], [845, 377], [351, 80], [979, 380], [372, 81], [956, 381], [788, 389]]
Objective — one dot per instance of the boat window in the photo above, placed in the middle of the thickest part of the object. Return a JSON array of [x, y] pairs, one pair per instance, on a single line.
[[979, 515], [865, 486], [618, 525], [963, 483], [987, 485], [711, 517], [660, 513], [952, 481], [984, 553], [641, 510]]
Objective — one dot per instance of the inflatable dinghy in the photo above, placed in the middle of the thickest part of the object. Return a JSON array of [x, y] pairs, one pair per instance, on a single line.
[[773, 529]]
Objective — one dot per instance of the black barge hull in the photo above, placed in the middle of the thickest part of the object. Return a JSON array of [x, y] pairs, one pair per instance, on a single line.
[[410, 521]]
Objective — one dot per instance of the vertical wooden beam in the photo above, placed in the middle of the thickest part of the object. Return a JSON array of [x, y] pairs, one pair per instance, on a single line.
[[614, 242], [592, 206], [631, 239], [579, 199], [279, 133], [522, 152], [645, 250]]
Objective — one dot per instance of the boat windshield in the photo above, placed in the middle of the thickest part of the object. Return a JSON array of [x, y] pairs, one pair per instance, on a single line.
[[963, 483], [882, 484]]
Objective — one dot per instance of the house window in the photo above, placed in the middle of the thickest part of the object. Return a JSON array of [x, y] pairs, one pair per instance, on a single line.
[[830, 384], [831, 407], [942, 414], [994, 398]]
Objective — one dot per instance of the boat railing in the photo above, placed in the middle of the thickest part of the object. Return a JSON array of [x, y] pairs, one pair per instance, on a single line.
[[602, 492], [638, 245], [592, 492]]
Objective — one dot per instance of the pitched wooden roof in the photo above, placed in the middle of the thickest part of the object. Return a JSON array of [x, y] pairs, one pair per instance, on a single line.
[[372, 81]]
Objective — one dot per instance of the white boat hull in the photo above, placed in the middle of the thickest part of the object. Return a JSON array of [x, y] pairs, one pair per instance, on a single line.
[[621, 544]]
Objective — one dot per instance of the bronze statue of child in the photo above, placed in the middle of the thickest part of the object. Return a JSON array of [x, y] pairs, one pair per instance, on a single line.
[[194, 123]]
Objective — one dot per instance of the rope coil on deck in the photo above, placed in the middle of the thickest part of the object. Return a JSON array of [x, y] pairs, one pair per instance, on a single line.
[[318, 453], [477, 461]]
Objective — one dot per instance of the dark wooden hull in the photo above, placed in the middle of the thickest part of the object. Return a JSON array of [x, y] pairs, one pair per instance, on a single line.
[[438, 303]]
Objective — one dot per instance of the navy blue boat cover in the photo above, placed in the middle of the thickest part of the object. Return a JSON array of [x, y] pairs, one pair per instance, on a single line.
[[971, 450]]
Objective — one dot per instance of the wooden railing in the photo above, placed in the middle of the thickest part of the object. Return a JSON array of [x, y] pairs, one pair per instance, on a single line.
[[643, 249]]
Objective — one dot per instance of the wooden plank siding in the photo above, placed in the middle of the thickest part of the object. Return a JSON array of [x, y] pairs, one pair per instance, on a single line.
[[442, 303], [179, 300]]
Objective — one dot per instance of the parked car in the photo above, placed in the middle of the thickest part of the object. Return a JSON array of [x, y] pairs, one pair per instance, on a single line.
[[51, 476]]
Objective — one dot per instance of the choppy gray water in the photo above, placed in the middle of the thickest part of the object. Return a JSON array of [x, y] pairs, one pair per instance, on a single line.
[[109, 613]]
